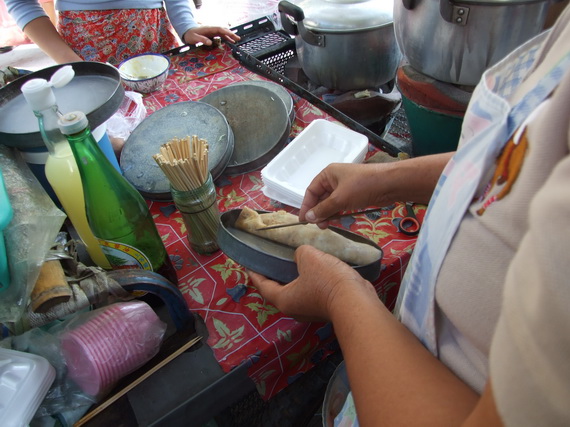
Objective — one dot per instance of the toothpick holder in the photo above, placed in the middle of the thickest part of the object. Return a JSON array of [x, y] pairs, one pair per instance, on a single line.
[[200, 215]]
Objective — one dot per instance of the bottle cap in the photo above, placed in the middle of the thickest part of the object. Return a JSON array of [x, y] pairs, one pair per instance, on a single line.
[[73, 122], [39, 93], [62, 76]]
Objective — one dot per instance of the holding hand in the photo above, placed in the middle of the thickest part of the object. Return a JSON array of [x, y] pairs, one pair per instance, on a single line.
[[339, 187], [318, 291], [350, 186], [206, 34]]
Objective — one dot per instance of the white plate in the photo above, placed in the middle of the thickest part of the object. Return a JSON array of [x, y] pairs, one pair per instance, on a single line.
[[318, 145]]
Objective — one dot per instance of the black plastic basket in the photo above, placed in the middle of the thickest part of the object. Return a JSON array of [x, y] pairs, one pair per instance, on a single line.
[[260, 39]]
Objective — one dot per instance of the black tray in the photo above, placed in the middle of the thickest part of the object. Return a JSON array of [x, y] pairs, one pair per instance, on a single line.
[[275, 260], [174, 121], [260, 131]]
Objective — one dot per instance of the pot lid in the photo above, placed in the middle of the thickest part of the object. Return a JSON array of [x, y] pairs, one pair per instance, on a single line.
[[346, 15]]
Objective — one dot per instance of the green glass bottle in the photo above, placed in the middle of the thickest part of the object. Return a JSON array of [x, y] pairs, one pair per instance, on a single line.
[[117, 214]]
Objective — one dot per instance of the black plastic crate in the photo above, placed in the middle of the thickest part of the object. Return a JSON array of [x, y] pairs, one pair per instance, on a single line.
[[261, 40]]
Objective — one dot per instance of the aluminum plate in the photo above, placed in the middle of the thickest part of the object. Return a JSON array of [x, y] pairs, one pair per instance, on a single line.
[[96, 90], [272, 259], [279, 90], [174, 121], [259, 121]]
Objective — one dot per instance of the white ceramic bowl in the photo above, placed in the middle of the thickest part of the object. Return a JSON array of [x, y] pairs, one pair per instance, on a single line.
[[146, 72]]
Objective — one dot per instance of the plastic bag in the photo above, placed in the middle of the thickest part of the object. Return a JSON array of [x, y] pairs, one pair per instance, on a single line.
[[30, 234], [63, 395], [91, 352], [130, 113], [105, 345]]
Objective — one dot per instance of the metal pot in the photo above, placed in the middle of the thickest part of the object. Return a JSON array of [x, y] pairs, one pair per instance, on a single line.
[[344, 44], [456, 42]]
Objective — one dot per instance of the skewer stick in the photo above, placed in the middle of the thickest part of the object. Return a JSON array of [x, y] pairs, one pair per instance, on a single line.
[[139, 380], [184, 162]]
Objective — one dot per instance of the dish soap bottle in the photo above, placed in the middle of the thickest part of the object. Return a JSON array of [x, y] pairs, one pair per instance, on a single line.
[[60, 168], [118, 215]]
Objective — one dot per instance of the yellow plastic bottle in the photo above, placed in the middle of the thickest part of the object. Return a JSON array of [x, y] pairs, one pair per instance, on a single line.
[[61, 169], [63, 176]]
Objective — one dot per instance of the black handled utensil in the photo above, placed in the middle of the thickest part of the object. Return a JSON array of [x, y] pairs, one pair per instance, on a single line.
[[328, 219]]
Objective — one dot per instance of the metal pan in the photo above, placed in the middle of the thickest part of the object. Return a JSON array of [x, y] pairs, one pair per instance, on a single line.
[[272, 259], [259, 121], [96, 90], [279, 90], [174, 121]]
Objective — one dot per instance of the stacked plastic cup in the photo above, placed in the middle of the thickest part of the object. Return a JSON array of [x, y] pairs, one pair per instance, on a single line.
[[113, 342]]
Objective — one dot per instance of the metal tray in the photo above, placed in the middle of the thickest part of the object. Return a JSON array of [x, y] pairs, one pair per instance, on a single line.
[[175, 120], [96, 90], [273, 259], [280, 91], [259, 121]]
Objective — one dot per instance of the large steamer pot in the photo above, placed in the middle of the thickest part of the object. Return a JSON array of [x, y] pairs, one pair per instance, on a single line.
[[456, 42], [344, 44]]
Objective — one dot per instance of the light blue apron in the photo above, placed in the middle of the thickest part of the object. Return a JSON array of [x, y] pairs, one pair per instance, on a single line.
[[488, 125]]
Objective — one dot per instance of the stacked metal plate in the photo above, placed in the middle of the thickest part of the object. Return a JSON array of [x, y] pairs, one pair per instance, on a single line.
[[259, 120], [174, 121], [96, 90], [321, 143], [280, 91]]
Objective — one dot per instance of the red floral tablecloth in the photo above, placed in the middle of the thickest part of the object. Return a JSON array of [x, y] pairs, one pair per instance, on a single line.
[[242, 327]]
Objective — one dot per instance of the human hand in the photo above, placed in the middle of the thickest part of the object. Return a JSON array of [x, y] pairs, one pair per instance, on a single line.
[[319, 289], [206, 34], [339, 187]]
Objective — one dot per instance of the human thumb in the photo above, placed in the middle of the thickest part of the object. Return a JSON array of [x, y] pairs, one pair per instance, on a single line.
[[322, 211]]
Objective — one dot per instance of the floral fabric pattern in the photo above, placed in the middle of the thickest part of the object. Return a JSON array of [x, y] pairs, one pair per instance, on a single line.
[[242, 327], [115, 35]]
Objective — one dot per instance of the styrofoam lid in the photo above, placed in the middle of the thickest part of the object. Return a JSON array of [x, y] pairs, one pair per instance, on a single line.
[[24, 382]]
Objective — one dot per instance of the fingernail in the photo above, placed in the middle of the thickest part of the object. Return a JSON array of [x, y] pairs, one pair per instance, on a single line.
[[310, 216]]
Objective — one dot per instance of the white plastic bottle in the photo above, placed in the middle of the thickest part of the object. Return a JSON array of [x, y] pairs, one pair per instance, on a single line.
[[61, 169]]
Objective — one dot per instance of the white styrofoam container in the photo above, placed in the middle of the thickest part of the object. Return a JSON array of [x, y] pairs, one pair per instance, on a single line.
[[276, 189], [283, 198], [24, 382], [318, 145]]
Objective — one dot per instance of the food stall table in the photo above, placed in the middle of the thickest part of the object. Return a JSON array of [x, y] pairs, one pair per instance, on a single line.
[[242, 331]]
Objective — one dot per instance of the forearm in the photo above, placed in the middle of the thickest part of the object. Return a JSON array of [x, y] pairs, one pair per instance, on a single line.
[[392, 376], [42, 32], [412, 179]]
